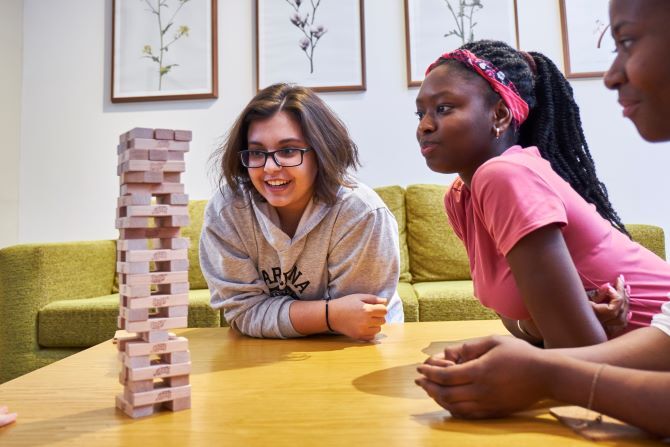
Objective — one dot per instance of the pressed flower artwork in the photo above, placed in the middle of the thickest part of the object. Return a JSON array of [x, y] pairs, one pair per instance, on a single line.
[[163, 50], [436, 26], [588, 48], [315, 43]]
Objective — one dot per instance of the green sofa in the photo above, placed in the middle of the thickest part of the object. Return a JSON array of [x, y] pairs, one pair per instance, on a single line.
[[58, 298]]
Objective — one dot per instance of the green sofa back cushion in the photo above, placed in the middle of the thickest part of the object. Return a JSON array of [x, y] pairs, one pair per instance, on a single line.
[[196, 211], [436, 253], [394, 198]]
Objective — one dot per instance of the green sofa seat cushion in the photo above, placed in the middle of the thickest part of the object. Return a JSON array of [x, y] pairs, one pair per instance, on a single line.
[[649, 236], [436, 253], [449, 301], [394, 198], [85, 322], [410, 302]]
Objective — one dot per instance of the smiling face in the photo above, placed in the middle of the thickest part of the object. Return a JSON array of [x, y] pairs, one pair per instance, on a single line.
[[456, 120], [288, 189], [641, 70]]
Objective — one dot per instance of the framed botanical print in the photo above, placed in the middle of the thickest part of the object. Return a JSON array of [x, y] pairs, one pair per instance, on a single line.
[[315, 43], [163, 50], [433, 27]]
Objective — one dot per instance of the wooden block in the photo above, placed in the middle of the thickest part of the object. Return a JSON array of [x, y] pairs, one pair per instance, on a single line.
[[178, 265], [133, 314], [157, 211], [158, 395], [135, 290], [135, 199], [143, 233], [156, 324], [177, 357], [132, 154], [174, 288], [156, 336], [183, 135], [177, 381], [157, 301], [148, 188], [175, 156], [171, 312], [172, 177], [159, 371], [138, 347], [164, 134], [133, 222], [153, 144], [151, 166], [140, 361], [143, 177], [132, 267], [172, 244], [136, 132], [132, 244], [178, 404], [172, 199], [155, 255], [172, 221], [122, 338], [133, 411], [120, 323], [158, 155], [155, 278]]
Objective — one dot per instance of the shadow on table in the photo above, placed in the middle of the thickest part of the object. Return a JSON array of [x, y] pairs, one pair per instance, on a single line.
[[236, 351]]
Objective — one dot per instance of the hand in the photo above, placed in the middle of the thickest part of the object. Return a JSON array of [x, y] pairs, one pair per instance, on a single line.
[[6, 417], [359, 316], [611, 306], [489, 377]]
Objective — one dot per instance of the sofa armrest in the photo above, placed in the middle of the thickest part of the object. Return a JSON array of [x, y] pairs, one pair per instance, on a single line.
[[33, 275], [649, 236]]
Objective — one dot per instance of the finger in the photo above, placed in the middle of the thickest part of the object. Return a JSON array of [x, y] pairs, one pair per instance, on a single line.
[[373, 299], [7, 418], [444, 395], [451, 375], [469, 410], [378, 321], [377, 310], [476, 348], [438, 361]]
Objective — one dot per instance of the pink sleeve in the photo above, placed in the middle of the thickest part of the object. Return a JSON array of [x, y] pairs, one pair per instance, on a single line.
[[512, 201], [454, 208]]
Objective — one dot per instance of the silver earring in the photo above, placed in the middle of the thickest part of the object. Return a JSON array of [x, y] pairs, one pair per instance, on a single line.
[[497, 129]]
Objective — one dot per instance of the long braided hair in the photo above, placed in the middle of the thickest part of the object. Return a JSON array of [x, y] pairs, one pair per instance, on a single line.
[[553, 124]]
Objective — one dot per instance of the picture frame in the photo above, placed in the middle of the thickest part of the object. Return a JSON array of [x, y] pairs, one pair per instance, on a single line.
[[318, 44], [164, 50], [433, 27], [587, 49]]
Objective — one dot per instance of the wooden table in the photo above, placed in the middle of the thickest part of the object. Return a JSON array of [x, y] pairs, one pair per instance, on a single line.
[[314, 391]]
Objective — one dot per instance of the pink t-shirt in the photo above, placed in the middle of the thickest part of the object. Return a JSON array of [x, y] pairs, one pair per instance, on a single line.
[[518, 192]]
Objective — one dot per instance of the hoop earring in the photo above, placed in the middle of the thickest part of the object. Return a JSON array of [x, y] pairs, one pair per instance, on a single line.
[[497, 129]]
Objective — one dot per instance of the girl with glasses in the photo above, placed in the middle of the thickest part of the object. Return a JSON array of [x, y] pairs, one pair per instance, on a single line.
[[292, 244], [626, 377]]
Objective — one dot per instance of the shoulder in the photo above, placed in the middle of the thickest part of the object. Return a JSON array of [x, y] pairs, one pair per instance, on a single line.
[[359, 200], [520, 167], [225, 203]]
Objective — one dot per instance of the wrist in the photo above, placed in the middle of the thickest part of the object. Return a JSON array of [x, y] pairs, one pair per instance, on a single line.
[[329, 325]]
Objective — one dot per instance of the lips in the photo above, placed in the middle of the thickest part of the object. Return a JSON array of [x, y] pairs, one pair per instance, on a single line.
[[427, 147], [629, 106]]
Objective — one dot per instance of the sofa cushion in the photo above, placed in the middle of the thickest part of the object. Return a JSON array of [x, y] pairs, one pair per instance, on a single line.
[[410, 304], [450, 300], [394, 198], [86, 322], [436, 253], [196, 211], [649, 236]]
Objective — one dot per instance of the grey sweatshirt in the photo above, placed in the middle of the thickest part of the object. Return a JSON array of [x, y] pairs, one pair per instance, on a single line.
[[254, 270]]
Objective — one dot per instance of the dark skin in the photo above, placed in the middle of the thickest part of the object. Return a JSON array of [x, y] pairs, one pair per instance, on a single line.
[[458, 117], [496, 376]]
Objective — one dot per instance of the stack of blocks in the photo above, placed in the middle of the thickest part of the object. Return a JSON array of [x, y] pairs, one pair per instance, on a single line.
[[152, 264]]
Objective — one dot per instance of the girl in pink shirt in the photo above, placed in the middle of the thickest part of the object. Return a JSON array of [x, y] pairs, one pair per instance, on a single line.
[[536, 222]]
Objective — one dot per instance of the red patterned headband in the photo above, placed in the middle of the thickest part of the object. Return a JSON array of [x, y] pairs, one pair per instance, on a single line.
[[495, 77]]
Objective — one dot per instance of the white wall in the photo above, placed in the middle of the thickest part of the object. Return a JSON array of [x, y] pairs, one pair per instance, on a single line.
[[69, 128], [11, 32]]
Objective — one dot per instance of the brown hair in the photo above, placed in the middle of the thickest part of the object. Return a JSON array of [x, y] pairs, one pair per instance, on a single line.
[[323, 131]]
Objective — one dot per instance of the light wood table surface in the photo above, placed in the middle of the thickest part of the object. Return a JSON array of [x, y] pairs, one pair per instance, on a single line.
[[321, 391]]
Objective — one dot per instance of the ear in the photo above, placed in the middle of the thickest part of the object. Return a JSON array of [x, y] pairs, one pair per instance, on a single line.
[[502, 117]]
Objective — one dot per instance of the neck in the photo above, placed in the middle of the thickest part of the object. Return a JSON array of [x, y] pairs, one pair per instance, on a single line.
[[289, 217], [498, 147]]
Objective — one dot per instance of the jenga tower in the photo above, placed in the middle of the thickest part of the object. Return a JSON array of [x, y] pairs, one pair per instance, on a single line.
[[152, 264]]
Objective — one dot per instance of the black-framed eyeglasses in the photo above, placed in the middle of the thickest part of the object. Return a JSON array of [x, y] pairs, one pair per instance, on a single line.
[[287, 157]]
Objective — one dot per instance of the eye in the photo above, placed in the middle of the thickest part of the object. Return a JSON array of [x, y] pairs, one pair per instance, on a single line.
[[441, 109], [289, 151], [419, 115], [623, 44]]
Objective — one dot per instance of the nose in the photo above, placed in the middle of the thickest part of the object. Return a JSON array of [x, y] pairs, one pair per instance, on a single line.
[[426, 125], [616, 75], [271, 164]]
